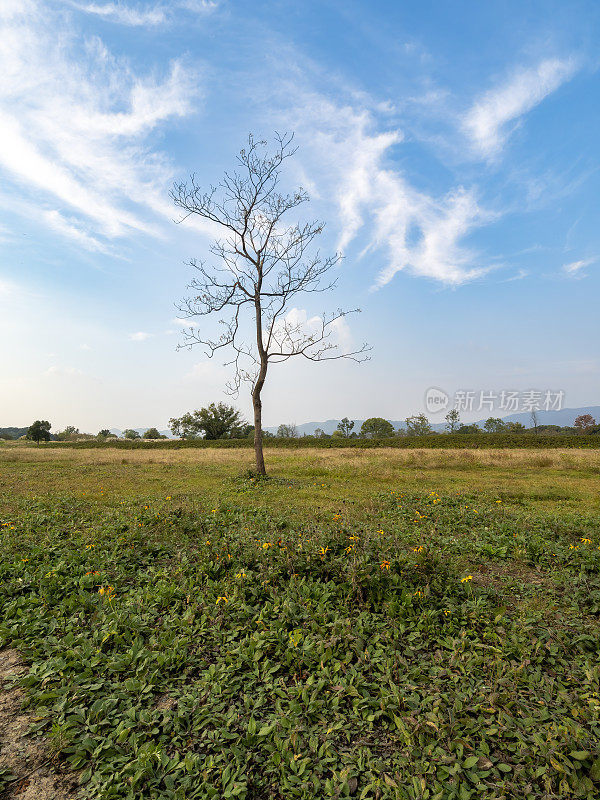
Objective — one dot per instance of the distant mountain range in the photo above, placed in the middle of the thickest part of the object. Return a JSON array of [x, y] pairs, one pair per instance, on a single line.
[[564, 417], [12, 433]]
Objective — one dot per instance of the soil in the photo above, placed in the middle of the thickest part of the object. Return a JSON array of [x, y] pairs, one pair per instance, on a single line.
[[34, 773]]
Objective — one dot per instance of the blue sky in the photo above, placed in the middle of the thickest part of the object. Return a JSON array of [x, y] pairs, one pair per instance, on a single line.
[[451, 148]]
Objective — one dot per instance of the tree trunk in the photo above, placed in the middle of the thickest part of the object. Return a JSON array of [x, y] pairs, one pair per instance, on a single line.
[[260, 379], [258, 441]]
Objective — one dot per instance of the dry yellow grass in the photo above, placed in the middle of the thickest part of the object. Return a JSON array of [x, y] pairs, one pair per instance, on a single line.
[[319, 481], [383, 459]]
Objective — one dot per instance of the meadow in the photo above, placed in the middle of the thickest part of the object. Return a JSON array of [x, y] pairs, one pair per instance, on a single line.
[[370, 623]]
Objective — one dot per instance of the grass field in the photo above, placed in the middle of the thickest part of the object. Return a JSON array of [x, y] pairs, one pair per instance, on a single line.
[[370, 623]]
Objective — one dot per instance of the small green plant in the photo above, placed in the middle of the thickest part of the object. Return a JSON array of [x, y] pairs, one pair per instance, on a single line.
[[443, 644]]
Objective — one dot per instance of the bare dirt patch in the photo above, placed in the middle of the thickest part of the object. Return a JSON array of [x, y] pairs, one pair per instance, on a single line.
[[33, 773], [500, 576]]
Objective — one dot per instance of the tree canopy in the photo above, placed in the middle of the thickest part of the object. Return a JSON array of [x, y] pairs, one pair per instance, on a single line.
[[418, 425], [153, 433], [287, 431], [376, 428], [39, 431], [345, 426], [584, 422], [494, 425], [215, 421], [452, 420]]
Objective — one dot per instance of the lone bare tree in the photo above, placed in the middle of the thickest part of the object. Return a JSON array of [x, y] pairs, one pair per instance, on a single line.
[[264, 262]]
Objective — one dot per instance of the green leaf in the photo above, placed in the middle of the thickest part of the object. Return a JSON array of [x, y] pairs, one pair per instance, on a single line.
[[595, 770], [266, 729], [580, 755]]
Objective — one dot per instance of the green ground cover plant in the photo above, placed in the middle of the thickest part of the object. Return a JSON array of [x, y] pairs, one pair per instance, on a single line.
[[224, 642]]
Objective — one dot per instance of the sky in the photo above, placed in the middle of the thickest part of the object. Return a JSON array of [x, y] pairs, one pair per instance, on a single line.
[[450, 148]]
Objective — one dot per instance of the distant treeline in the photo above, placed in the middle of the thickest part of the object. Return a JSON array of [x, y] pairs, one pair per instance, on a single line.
[[223, 423], [440, 440]]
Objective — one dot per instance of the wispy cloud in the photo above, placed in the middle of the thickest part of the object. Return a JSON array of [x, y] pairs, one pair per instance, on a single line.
[[377, 203], [522, 273], [139, 336], [71, 230], [124, 14], [487, 122], [62, 372], [297, 324], [76, 123], [146, 16], [575, 268]]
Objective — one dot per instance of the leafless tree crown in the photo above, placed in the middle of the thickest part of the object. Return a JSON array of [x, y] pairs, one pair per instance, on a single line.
[[263, 262]]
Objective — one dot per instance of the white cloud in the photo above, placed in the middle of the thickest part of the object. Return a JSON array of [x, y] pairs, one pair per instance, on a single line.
[[342, 334], [486, 123], [13, 8], [140, 336], [124, 14], [574, 269], [522, 273], [297, 325], [70, 229], [76, 123], [147, 16], [419, 233]]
